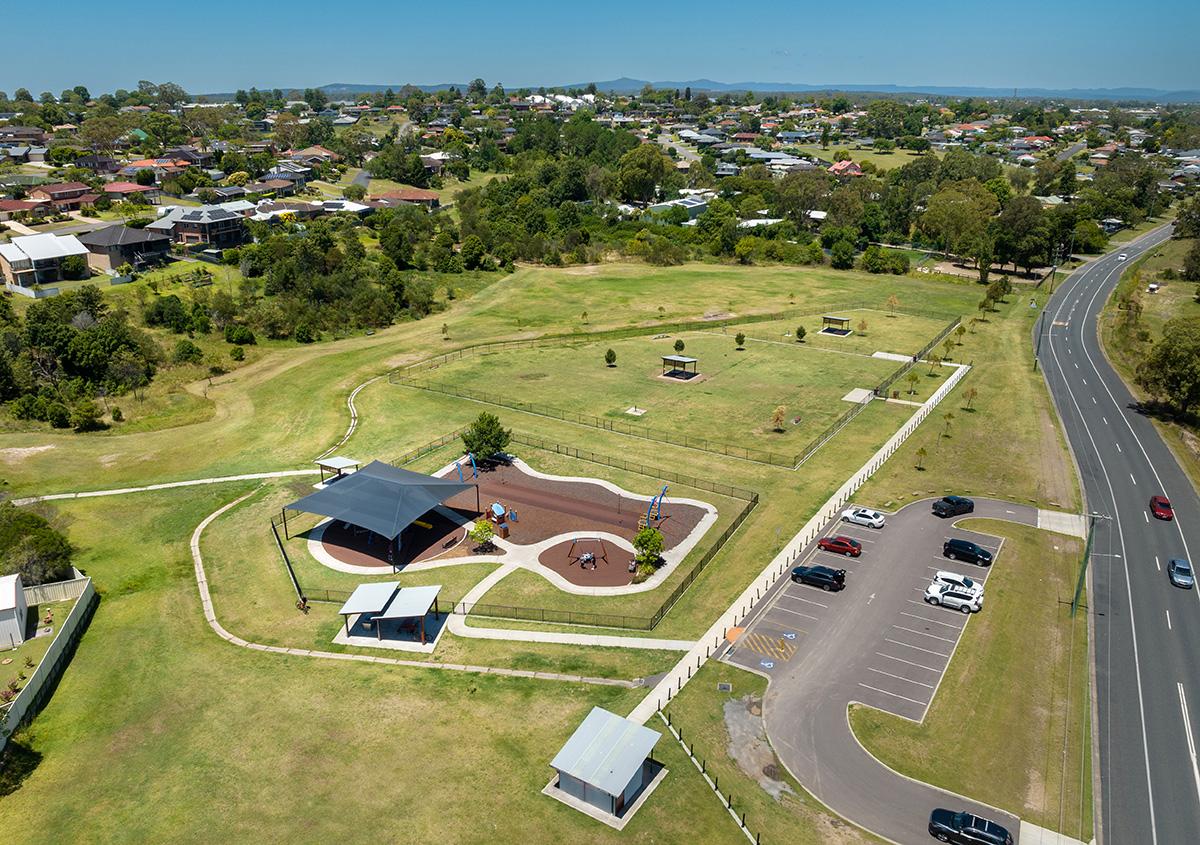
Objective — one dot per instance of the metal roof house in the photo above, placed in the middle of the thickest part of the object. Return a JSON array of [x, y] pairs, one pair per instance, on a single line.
[[29, 260], [606, 769], [12, 611]]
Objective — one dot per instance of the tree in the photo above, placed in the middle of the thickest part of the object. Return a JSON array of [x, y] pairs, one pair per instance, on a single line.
[[1171, 370], [778, 418], [1191, 263], [947, 419], [740, 339], [486, 436], [862, 327], [610, 358], [921, 456], [640, 171], [970, 395], [30, 545], [825, 137], [648, 544], [956, 217], [679, 346], [841, 255], [744, 250], [912, 378], [960, 332], [85, 416], [482, 534], [947, 349], [472, 252], [354, 192], [893, 302], [1022, 234], [800, 333]]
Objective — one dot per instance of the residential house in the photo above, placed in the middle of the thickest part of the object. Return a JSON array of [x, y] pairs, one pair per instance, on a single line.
[[221, 226], [278, 187], [316, 154], [192, 155], [845, 168], [694, 206], [23, 134], [65, 196], [29, 260], [97, 163], [118, 191], [160, 167], [35, 208], [113, 246]]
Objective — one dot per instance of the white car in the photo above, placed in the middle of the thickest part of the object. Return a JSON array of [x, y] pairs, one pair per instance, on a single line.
[[1122, 257], [953, 579], [863, 516], [950, 596]]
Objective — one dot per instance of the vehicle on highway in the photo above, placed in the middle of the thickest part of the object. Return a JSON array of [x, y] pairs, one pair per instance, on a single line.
[[962, 582], [952, 506], [840, 545], [965, 550], [947, 595], [863, 516], [1181, 574], [966, 829], [824, 577], [1122, 257], [1160, 506]]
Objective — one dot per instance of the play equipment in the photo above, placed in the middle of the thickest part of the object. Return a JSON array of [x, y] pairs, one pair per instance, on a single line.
[[589, 556], [654, 511], [422, 524], [474, 468]]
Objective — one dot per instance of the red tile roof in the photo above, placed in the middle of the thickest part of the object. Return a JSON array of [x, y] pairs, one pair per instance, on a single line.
[[127, 188]]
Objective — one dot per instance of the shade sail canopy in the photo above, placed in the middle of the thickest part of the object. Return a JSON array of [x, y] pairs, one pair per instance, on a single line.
[[380, 498], [605, 751], [410, 602], [370, 598]]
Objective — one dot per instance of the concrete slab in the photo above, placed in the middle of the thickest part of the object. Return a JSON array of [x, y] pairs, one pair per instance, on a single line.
[[1072, 524], [1031, 834], [616, 822], [858, 395], [891, 356]]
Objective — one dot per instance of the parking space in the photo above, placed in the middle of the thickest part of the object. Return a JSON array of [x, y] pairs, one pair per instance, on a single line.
[[894, 646]]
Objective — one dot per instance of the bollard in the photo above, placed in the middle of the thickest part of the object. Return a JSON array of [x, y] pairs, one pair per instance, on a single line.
[[698, 659], [743, 818], [689, 672], [716, 780]]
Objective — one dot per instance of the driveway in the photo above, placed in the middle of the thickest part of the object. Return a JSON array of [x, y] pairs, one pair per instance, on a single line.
[[876, 642]]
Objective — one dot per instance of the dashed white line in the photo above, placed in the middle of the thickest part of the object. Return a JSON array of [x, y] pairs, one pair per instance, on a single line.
[[1168, 620], [908, 662], [1134, 480], [894, 695], [924, 619], [1191, 742], [900, 678], [1156, 564], [1145, 517], [915, 647], [922, 634]]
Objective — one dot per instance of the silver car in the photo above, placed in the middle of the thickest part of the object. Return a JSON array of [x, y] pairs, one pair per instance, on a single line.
[[963, 582], [953, 597], [1180, 573]]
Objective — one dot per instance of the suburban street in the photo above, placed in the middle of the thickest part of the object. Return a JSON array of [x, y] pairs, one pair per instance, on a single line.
[[1147, 631]]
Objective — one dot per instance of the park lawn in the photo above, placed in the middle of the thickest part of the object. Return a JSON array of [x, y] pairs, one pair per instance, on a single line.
[[872, 330], [698, 711], [160, 731], [1008, 443], [1020, 679], [883, 161], [731, 403]]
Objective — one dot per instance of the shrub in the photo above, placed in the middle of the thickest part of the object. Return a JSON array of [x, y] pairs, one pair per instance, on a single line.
[[841, 255], [237, 353], [116, 414], [86, 416], [239, 334], [610, 358], [486, 436], [305, 333], [187, 352], [58, 415]]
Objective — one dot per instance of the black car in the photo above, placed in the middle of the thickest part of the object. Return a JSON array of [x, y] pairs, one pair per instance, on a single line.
[[953, 506], [967, 551], [820, 576], [966, 829]]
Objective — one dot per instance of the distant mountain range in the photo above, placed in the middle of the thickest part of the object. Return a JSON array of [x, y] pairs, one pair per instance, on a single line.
[[627, 85]]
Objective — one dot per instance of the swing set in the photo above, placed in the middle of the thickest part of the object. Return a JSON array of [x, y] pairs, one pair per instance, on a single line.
[[591, 551]]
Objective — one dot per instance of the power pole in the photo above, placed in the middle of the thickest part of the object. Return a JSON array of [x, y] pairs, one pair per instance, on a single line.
[[1087, 554]]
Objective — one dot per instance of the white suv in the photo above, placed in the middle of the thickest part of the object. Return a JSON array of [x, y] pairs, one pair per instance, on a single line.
[[961, 582], [863, 516], [954, 597]]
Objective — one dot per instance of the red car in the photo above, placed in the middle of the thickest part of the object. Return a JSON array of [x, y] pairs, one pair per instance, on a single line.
[[847, 546], [1161, 508]]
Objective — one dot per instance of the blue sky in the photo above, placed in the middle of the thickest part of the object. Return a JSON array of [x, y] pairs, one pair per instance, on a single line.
[[1057, 44]]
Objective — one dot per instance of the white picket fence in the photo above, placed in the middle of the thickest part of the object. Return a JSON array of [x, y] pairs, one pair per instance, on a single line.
[[761, 586], [49, 668]]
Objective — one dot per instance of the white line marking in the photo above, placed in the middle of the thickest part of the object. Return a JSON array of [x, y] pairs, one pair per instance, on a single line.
[[1168, 620], [798, 613], [1134, 480], [1191, 742], [894, 695], [806, 601], [922, 634], [1118, 445], [908, 662], [900, 678], [1145, 517], [915, 647], [934, 621], [1156, 564]]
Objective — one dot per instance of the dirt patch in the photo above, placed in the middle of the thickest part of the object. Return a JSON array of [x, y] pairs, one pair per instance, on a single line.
[[15, 455], [749, 748]]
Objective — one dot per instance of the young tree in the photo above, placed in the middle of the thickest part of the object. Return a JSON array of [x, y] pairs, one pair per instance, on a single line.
[[648, 544], [679, 346], [921, 456], [800, 333], [740, 339], [893, 302], [912, 378], [610, 358], [934, 363], [960, 332], [486, 436], [778, 418], [948, 419], [583, 318], [947, 348], [970, 395], [482, 534], [862, 327]]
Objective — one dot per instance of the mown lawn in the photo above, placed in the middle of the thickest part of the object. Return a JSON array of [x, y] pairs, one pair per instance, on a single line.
[[1019, 680]]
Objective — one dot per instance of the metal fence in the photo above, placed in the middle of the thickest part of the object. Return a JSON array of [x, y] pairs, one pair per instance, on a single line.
[[882, 388]]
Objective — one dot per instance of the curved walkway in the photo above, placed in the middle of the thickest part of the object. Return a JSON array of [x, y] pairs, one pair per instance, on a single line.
[[211, 617], [194, 482]]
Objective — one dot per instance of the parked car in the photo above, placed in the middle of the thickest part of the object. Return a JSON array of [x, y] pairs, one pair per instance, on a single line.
[[1160, 506], [962, 582], [952, 506], [965, 550], [839, 545], [824, 577], [863, 516], [1181, 574], [947, 595], [966, 829]]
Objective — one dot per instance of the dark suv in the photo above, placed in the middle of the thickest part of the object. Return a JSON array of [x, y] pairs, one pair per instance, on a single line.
[[952, 506], [966, 829], [965, 550], [820, 576]]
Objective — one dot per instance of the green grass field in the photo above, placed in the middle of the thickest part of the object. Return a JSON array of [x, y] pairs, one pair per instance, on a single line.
[[1020, 679], [883, 161]]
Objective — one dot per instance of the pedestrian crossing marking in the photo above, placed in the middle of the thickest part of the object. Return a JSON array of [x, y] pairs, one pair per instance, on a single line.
[[768, 646]]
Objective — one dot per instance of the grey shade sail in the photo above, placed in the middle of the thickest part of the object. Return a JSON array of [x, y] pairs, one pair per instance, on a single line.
[[380, 498], [606, 751]]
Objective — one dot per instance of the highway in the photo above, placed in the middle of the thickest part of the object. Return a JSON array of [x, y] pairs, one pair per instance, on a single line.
[[1147, 632]]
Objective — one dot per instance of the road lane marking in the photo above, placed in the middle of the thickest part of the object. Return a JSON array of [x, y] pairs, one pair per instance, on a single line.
[[934, 621], [1118, 445], [908, 662], [915, 647], [900, 678], [895, 695], [1168, 620], [1191, 742], [923, 634], [1105, 420], [1145, 517], [1156, 564], [1134, 480]]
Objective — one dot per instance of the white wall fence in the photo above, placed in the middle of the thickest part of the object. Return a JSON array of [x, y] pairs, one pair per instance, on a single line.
[[761, 586], [41, 683], [56, 591]]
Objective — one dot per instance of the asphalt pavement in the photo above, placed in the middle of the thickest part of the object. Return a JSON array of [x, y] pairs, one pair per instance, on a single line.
[[1147, 632], [875, 642]]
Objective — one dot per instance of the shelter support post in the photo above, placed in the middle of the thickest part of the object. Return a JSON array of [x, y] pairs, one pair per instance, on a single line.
[[283, 512]]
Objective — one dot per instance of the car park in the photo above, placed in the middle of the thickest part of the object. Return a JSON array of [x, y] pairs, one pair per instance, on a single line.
[[961, 582], [864, 516], [966, 829], [953, 506], [1160, 507], [840, 545], [965, 550], [946, 595], [824, 577], [1181, 574]]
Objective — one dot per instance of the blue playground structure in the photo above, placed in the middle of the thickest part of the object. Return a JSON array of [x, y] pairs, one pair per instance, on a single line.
[[654, 511], [474, 469]]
